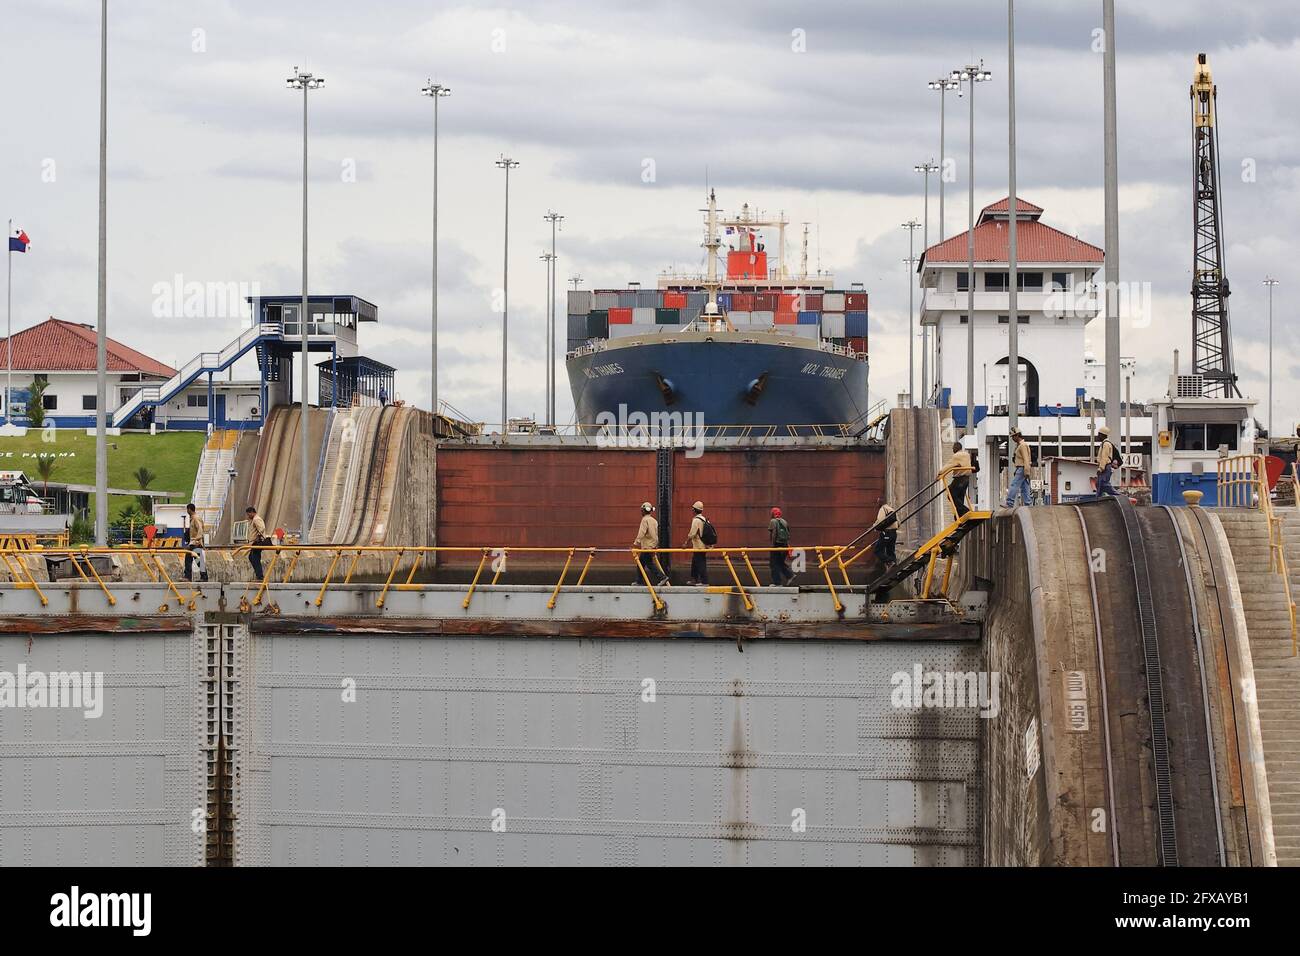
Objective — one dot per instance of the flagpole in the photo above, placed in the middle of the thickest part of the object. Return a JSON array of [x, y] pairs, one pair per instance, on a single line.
[[9, 329]]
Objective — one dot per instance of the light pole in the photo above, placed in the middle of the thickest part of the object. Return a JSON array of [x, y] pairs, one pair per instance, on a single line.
[[101, 312], [305, 82], [942, 86], [927, 169], [1270, 282], [549, 259], [437, 91], [554, 218], [911, 226], [1013, 321], [506, 163], [972, 74], [1111, 165]]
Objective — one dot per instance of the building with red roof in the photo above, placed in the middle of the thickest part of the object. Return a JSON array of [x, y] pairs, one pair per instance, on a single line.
[[62, 354], [1056, 299]]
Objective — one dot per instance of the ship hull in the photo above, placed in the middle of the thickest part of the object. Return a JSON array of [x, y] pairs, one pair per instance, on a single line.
[[719, 381]]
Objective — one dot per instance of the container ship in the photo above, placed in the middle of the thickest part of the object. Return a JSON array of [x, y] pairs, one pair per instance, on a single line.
[[755, 347]]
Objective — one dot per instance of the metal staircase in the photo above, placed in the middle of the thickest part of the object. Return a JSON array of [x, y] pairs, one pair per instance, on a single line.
[[201, 364], [212, 481]]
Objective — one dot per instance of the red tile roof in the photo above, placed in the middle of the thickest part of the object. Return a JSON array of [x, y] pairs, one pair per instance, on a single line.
[[1035, 242], [1002, 205], [58, 346]]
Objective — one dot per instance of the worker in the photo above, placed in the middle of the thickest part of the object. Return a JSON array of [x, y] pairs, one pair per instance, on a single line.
[[958, 481], [192, 537], [256, 538], [887, 540], [383, 395], [647, 539], [1107, 462], [699, 548], [1020, 461], [778, 537]]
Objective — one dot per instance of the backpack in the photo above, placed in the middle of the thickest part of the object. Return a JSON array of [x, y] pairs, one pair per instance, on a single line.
[[782, 536], [708, 534]]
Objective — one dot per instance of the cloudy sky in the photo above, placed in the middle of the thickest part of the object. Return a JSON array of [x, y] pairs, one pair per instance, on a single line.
[[817, 109]]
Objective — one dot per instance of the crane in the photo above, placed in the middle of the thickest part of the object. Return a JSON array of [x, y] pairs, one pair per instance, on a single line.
[[1211, 335]]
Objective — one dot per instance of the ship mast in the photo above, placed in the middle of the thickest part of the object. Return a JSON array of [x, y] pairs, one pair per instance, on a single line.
[[712, 243]]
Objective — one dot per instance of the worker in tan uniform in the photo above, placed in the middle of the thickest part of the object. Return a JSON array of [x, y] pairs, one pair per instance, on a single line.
[[960, 481], [1107, 462], [1020, 462], [647, 539], [697, 541], [192, 538], [886, 544], [256, 538]]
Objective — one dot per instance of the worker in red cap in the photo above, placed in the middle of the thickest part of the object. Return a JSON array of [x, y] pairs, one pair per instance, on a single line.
[[778, 536]]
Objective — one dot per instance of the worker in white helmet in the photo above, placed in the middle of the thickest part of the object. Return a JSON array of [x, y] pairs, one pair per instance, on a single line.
[[647, 540], [1107, 462]]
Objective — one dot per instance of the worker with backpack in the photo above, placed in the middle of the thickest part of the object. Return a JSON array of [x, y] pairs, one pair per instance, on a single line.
[[778, 536], [699, 539]]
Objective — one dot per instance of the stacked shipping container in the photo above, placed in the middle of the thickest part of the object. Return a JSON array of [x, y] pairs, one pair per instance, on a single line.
[[840, 317]]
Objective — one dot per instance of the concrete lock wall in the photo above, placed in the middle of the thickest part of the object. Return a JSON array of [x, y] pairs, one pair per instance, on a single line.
[[435, 750]]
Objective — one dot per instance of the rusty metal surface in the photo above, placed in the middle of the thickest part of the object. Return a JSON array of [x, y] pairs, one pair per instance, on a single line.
[[541, 497], [561, 497], [632, 629], [94, 624], [827, 495]]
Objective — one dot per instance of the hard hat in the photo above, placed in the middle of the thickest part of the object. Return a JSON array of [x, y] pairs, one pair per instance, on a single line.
[[1016, 433], [776, 512], [698, 506], [647, 507], [1103, 430]]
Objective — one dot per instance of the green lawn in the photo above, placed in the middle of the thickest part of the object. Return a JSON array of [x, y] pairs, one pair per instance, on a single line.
[[172, 456]]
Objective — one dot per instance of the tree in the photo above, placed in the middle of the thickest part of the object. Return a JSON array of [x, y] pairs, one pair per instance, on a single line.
[[36, 402], [143, 478], [45, 468]]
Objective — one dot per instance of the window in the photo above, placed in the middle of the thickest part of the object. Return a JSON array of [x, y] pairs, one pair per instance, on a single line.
[[963, 281], [1021, 320], [962, 319], [1198, 437], [50, 402], [42, 378], [1062, 280], [1029, 280], [995, 282], [196, 401], [88, 403]]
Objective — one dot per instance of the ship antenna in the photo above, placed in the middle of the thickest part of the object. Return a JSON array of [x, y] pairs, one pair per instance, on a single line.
[[712, 243]]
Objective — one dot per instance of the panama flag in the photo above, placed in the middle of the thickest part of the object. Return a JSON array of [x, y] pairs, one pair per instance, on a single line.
[[19, 243]]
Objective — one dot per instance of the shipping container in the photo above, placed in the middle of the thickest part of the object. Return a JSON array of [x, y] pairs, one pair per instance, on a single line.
[[857, 344], [627, 300], [855, 302], [579, 302], [620, 316], [788, 302], [668, 316], [690, 314], [578, 326], [833, 325], [741, 318], [724, 300], [674, 300], [648, 298], [785, 318], [855, 324], [765, 301], [643, 315], [809, 318], [697, 300], [598, 324], [833, 302], [623, 331], [604, 301], [763, 317], [812, 301], [743, 301]]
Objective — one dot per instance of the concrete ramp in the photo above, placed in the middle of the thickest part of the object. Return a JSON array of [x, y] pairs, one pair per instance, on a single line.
[[1128, 733], [914, 456], [275, 486]]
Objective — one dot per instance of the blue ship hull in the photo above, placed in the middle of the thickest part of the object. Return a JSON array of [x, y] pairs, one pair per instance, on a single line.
[[719, 379]]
